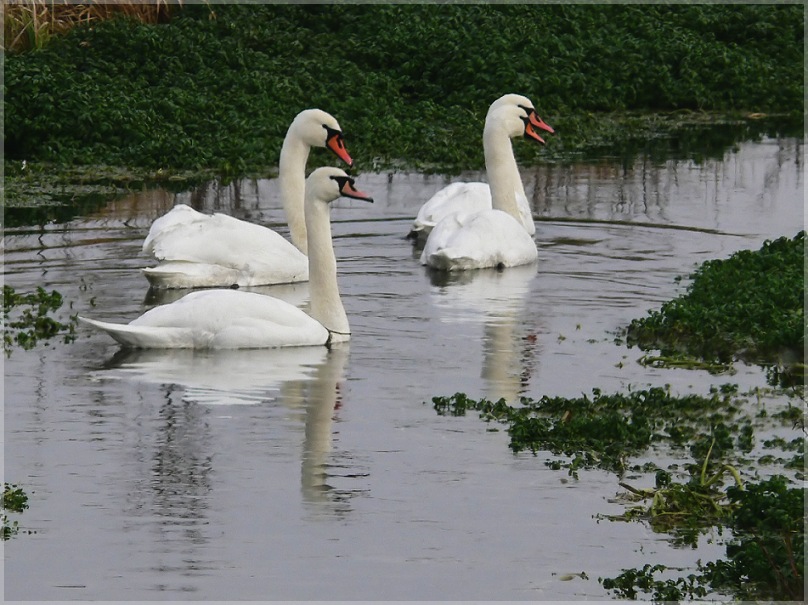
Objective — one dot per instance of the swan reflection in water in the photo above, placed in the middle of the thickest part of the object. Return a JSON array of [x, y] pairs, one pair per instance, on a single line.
[[308, 378], [497, 300]]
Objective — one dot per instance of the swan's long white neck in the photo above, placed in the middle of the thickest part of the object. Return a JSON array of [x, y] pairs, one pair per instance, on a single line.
[[292, 183], [501, 168], [326, 305]]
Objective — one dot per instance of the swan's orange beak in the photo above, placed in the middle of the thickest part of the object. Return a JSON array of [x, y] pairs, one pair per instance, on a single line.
[[348, 189], [336, 144], [539, 123], [532, 122], [531, 133]]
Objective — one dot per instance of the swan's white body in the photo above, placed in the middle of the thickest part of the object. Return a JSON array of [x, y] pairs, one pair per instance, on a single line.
[[231, 319], [473, 196], [201, 250], [493, 237], [464, 197], [219, 319], [475, 240]]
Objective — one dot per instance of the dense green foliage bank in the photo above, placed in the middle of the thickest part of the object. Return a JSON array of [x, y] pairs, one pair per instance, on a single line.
[[409, 83]]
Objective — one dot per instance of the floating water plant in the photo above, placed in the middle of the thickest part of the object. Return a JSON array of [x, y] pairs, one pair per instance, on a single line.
[[684, 509], [27, 318], [765, 557], [15, 500], [602, 431], [748, 306], [765, 552]]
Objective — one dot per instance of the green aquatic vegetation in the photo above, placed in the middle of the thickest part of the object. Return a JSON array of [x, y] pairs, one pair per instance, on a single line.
[[765, 557], [684, 509], [604, 431], [791, 415], [15, 500], [689, 363], [27, 318], [409, 82], [631, 582], [718, 489], [747, 306], [37, 193]]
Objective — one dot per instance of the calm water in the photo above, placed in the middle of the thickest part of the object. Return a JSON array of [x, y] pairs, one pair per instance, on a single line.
[[315, 474]]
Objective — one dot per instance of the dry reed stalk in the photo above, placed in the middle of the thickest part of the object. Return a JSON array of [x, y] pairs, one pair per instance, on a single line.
[[30, 23]]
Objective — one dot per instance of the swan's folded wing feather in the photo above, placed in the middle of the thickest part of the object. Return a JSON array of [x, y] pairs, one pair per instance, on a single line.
[[455, 197], [220, 240], [226, 251], [146, 337], [179, 216]]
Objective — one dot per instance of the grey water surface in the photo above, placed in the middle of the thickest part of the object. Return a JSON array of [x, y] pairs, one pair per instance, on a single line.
[[326, 474]]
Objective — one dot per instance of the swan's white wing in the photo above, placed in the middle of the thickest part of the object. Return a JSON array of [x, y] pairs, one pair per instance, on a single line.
[[465, 197], [456, 197], [221, 250], [490, 238], [525, 213], [443, 232], [179, 215], [219, 319]]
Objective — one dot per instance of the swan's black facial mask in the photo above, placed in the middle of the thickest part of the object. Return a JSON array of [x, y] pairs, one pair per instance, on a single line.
[[335, 142], [533, 121], [347, 189]]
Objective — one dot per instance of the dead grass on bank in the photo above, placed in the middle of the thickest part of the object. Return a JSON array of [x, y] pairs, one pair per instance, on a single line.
[[29, 24]]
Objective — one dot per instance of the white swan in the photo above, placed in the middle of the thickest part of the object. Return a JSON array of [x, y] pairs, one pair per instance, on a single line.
[[493, 237], [202, 250], [232, 319], [476, 196]]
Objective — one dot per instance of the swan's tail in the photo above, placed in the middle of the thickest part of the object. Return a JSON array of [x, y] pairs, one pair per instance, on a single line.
[[448, 259], [419, 229], [418, 232], [142, 337]]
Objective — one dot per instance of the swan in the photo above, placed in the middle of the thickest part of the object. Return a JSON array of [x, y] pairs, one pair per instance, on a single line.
[[235, 319], [476, 196], [493, 237], [202, 250]]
